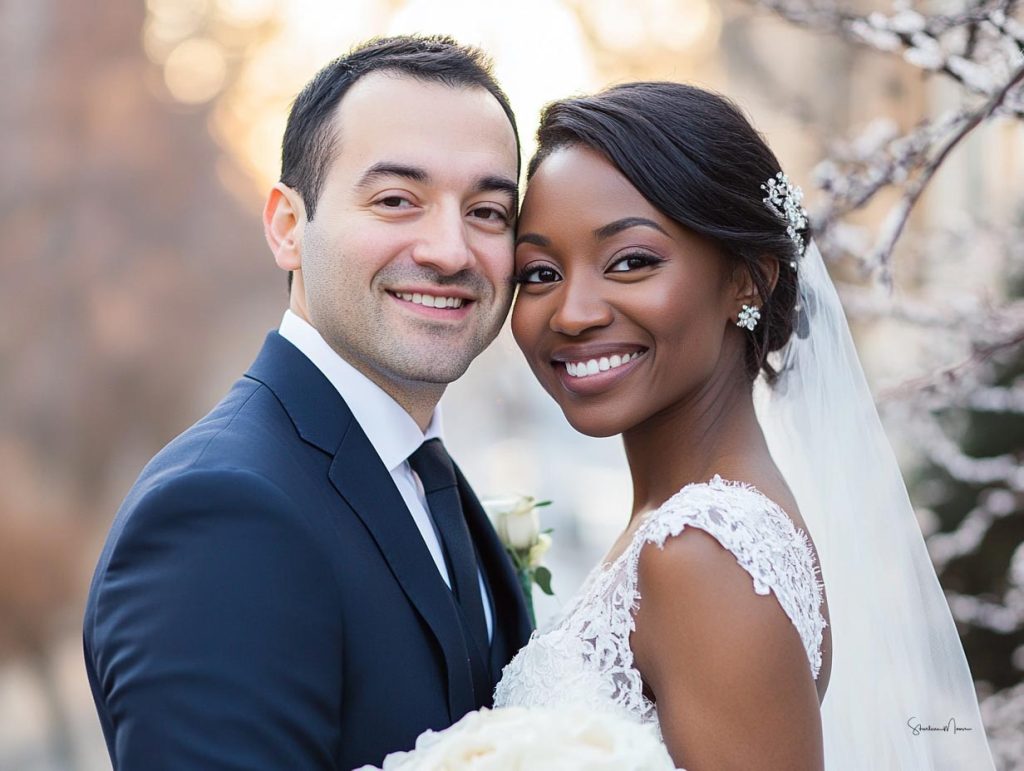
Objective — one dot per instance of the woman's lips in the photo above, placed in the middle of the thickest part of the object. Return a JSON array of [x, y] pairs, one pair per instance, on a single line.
[[597, 373], [589, 367]]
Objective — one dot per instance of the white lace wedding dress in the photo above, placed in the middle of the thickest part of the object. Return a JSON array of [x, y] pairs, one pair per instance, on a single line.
[[584, 657]]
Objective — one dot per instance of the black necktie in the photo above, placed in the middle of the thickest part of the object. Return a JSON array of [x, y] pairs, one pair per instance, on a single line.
[[433, 465]]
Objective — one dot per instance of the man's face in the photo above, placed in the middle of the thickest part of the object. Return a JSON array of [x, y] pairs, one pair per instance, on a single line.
[[407, 264]]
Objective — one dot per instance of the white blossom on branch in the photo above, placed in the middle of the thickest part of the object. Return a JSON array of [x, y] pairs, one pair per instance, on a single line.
[[933, 42]]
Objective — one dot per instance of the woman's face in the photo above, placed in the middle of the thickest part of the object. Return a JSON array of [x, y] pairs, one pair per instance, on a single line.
[[622, 313]]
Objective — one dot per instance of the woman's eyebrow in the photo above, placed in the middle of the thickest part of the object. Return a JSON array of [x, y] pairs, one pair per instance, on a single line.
[[613, 228], [533, 238]]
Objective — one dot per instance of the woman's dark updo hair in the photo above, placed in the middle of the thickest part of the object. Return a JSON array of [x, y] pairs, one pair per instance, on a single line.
[[695, 157]]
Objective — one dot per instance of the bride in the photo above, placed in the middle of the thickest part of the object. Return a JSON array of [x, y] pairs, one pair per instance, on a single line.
[[769, 603]]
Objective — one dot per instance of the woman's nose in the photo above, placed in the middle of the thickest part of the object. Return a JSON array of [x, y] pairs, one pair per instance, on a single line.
[[580, 307]]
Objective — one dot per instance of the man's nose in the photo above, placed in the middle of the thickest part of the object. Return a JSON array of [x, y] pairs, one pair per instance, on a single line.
[[580, 307], [443, 244]]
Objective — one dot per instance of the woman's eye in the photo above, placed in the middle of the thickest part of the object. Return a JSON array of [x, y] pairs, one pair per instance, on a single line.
[[633, 262], [539, 275]]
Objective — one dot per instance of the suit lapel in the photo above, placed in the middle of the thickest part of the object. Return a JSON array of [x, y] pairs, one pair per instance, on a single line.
[[366, 485], [322, 418]]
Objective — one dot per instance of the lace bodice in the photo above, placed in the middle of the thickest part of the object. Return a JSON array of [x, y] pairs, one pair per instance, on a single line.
[[584, 656]]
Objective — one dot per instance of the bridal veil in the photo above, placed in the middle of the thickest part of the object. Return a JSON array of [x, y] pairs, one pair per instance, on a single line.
[[901, 694]]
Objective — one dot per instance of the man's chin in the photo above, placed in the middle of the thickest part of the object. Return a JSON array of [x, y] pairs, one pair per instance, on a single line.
[[438, 360], [439, 373]]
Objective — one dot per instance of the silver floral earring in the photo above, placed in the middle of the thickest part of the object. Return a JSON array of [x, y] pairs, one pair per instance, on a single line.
[[748, 317]]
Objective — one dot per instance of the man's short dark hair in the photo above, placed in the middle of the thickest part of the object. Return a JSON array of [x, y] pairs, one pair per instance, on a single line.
[[310, 139]]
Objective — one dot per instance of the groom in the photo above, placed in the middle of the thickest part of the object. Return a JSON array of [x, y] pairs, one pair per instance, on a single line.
[[303, 580]]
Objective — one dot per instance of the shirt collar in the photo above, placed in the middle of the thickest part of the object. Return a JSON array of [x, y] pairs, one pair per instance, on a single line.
[[390, 429]]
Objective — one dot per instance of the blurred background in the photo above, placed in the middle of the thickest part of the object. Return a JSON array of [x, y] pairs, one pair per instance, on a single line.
[[139, 140]]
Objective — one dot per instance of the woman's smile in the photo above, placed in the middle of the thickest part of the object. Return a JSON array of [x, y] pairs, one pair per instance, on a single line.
[[595, 368]]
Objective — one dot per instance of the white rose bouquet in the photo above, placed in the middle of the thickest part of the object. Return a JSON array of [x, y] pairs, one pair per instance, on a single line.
[[518, 525], [535, 739]]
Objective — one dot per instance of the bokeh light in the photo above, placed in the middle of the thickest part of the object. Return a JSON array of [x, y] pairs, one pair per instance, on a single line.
[[195, 70]]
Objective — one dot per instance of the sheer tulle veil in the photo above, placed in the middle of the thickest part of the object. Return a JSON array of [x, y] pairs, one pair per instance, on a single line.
[[898, 668]]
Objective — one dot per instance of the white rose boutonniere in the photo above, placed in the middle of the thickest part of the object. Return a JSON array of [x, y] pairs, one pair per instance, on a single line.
[[518, 526]]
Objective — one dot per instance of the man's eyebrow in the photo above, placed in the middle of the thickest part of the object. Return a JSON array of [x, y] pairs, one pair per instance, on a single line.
[[386, 169], [533, 238], [613, 228], [500, 184]]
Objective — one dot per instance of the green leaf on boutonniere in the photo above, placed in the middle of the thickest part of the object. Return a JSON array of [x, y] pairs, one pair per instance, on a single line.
[[543, 578]]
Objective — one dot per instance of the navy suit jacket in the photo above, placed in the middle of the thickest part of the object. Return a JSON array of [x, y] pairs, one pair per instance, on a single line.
[[265, 601]]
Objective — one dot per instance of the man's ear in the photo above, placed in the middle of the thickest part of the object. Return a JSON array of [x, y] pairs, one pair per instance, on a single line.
[[746, 289], [284, 217]]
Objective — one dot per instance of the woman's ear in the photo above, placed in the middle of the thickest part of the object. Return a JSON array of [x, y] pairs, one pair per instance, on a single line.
[[284, 217], [746, 288]]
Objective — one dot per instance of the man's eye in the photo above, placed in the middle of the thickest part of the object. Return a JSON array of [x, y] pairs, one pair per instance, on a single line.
[[538, 275], [633, 261], [395, 202], [490, 213]]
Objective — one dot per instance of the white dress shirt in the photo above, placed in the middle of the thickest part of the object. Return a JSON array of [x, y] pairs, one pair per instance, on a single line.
[[390, 429]]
